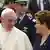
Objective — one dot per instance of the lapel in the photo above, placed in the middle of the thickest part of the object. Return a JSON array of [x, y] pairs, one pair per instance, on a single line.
[[25, 20]]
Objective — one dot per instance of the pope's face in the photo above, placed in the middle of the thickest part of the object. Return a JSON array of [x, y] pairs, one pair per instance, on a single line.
[[9, 21]]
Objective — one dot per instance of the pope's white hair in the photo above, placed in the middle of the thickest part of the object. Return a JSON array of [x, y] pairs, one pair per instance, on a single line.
[[5, 11]]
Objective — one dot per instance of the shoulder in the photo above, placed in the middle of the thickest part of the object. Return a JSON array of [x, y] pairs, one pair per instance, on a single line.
[[19, 32], [31, 17]]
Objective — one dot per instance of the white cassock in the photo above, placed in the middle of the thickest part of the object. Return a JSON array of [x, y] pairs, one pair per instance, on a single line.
[[14, 40]]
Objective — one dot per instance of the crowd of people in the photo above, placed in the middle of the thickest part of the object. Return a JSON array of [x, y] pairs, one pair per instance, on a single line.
[[22, 29]]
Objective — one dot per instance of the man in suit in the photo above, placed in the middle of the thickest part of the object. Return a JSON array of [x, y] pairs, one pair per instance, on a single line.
[[26, 24], [12, 38], [35, 5]]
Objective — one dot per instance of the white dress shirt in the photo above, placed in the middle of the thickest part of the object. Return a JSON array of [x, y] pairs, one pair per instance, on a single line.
[[41, 6]]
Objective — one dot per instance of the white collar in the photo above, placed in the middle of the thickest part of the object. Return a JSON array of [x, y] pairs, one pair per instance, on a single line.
[[21, 18]]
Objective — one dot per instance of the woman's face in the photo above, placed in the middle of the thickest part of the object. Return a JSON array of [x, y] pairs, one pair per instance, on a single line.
[[40, 28]]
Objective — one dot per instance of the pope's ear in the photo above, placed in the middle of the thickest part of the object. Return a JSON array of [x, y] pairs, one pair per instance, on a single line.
[[1, 18]]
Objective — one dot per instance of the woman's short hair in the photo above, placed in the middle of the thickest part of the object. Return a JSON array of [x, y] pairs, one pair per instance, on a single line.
[[44, 17]]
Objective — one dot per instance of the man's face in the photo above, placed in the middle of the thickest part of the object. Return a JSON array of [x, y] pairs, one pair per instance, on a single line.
[[24, 8], [17, 7], [9, 21]]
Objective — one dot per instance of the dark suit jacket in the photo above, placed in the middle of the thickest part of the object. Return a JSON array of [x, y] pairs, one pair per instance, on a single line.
[[34, 7], [27, 26], [45, 46]]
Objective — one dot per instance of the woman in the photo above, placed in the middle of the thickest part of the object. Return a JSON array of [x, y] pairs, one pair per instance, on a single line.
[[43, 28]]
